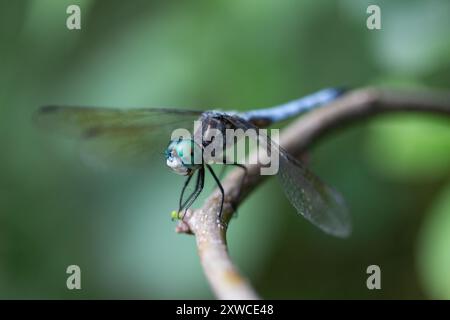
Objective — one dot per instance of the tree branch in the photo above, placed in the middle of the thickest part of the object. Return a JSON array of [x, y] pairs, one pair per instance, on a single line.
[[223, 276]]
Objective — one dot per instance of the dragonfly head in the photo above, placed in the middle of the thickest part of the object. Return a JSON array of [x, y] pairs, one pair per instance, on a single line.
[[183, 156]]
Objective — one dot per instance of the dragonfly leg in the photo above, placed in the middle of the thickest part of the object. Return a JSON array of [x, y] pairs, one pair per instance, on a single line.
[[221, 174], [186, 183], [198, 189], [234, 204], [197, 183], [220, 187]]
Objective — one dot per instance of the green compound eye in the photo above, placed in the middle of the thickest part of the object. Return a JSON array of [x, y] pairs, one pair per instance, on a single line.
[[184, 148], [188, 152]]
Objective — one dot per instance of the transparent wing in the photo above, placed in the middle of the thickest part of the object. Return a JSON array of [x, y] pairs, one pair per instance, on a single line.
[[313, 199], [115, 136]]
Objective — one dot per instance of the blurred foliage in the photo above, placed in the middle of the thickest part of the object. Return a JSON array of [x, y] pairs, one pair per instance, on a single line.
[[221, 54], [400, 146], [434, 243]]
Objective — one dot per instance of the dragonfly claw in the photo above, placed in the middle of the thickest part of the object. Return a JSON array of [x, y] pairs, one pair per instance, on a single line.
[[175, 215]]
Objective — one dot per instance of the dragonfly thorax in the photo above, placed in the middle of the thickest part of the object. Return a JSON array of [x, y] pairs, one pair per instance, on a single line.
[[184, 156]]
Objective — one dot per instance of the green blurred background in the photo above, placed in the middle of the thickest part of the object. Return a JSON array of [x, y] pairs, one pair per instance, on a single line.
[[238, 54]]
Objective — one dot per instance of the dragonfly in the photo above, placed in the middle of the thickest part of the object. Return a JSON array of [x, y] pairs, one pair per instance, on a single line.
[[134, 135]]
